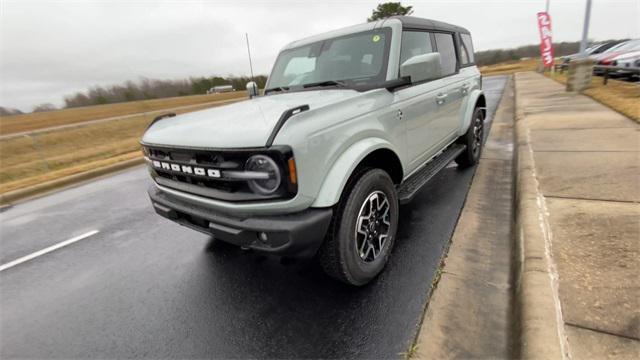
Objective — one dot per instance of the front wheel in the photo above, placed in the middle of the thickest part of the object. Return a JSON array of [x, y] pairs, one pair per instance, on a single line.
[[473, 139], [363, 229]]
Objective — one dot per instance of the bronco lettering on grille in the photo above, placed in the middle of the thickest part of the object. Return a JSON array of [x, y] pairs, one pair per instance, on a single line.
[[185, 169]]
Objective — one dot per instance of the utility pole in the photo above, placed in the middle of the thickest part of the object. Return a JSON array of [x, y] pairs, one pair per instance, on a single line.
[[585, 29], [581, 69]]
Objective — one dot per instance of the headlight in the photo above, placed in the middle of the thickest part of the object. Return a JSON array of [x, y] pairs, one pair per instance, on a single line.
[[264, 164]]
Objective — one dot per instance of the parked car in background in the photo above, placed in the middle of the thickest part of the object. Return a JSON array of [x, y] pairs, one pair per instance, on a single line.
[[626, 65], [606, 58], [594, 49]]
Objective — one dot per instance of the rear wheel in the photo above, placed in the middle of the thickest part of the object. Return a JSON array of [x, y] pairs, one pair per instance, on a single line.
[[362, 230], [473, 139]]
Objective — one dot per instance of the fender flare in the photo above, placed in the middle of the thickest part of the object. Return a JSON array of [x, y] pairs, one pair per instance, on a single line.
[[337, 177], [474, 95]]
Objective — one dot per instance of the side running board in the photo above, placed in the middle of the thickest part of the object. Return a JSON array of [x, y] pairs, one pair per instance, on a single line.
[[412, 185]]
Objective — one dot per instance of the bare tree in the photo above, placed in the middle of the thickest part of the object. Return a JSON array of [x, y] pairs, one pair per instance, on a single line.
[[145, 89], [44, 107], [6, 111]]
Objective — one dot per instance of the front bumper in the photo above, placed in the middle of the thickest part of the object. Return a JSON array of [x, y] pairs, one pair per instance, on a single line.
[[297, 235]]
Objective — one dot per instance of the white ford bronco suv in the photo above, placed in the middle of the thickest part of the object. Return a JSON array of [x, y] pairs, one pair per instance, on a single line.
[[352, 124]]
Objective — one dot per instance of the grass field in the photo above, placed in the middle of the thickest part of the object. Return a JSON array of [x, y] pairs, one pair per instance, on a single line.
[[510, 67], [29, 160], [622, 96], [34, 121]]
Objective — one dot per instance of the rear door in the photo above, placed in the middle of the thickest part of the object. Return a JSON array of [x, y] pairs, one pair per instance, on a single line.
[[455, 90]]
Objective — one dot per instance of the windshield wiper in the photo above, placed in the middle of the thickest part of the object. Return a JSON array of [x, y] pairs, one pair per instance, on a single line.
[[336, 83], [277, 88]]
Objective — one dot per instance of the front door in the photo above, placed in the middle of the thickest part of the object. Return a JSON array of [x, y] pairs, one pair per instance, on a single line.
[[425, 113]]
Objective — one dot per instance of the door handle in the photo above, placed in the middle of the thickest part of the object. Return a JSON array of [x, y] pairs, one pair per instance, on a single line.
[[440, 98]]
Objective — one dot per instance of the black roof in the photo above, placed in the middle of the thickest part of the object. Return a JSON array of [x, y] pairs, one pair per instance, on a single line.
[[426, 24]]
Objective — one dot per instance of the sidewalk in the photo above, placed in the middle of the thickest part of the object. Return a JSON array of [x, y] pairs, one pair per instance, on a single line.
[[578, 224]]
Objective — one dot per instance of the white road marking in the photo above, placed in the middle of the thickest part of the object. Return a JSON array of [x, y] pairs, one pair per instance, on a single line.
[[47, 250]]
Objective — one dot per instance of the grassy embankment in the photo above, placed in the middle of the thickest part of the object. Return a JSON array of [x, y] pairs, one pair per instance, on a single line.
[[50, 155], [510, 67], [621, 96]]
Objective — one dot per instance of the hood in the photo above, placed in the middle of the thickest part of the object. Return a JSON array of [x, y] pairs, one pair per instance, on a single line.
[[246, 123]]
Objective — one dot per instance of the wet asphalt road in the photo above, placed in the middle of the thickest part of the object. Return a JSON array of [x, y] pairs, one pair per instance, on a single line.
[[145, 287]]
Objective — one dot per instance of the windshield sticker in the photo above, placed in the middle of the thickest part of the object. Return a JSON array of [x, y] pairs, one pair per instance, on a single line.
[[376, 38]]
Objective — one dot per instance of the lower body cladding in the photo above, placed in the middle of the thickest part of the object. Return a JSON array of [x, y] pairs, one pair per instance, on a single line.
[[293, 235]]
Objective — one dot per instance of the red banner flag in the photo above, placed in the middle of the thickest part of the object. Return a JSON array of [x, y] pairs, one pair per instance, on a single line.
[[546, 45]]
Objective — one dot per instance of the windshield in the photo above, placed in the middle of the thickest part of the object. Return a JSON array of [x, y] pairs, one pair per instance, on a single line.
[[358, 59]]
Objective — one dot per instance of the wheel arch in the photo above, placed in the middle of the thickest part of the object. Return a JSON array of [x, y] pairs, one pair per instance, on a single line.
[[373, 152], [476, 99]]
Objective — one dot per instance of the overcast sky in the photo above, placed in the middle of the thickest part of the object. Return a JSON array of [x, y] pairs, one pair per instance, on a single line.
[[50, 48]]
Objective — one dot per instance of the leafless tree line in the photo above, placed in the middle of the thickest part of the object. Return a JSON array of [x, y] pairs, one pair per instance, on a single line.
[[144, 89]]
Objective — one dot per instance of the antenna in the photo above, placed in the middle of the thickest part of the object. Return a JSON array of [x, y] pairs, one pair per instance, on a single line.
[[249, 52]]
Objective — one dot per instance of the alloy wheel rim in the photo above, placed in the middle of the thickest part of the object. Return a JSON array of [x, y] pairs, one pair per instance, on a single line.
[[372, 226], [477, 135]]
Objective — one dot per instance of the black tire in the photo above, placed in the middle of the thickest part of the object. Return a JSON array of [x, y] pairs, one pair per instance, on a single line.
[[339, 255], [473, 139]]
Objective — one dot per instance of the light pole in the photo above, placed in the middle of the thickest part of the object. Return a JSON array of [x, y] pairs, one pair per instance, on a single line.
[[546, 9], [585, 29]]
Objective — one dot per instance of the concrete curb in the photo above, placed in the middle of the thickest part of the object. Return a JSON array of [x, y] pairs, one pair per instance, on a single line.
[[20, 194], [537, 309]]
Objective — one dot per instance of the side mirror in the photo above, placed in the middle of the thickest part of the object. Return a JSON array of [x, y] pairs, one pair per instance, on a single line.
[[252, 89], [422, 67]]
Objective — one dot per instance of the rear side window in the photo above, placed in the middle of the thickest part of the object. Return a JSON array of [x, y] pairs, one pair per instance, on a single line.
[[447, 50], [466, 49], [414, 43]]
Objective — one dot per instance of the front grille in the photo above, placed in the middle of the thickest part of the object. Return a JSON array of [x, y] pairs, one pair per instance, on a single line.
[[227, 186], [202, 171]]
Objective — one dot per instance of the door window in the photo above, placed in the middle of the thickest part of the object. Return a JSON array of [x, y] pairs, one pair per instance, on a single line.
[[447, 50], [414, 43], [466, 49]]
